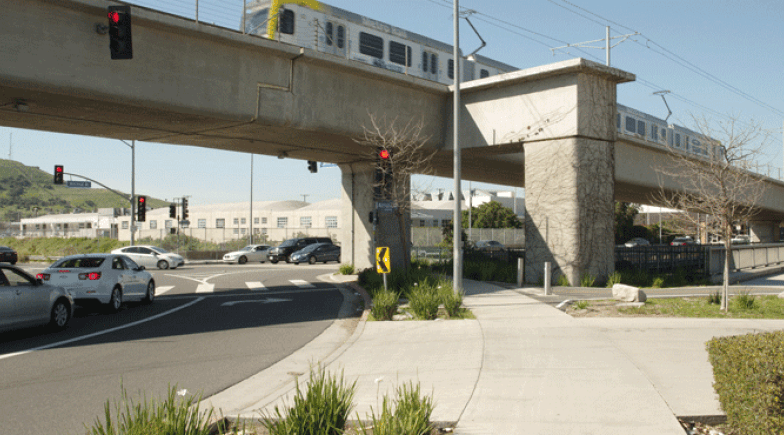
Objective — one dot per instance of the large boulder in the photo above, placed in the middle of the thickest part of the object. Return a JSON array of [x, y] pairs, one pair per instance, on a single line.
[[627, 293]]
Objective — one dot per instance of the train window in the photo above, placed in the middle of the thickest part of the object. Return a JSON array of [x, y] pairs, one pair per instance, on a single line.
[[399, 53], [630, 123], [641, 128], [484, 73], [371, 45], [425, 57], [677, 140], [341, 36], [328, 32], [451, 69], [654, 132], [618, 121], [433, 63], [686, 142], [287, 22]]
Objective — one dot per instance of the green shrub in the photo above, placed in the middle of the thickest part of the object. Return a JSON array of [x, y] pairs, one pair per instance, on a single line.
[[384, 305], [347, 269], [744, 301], [613, 279], [748, 371], [322, 410], [587, 280], [452, 301], [172, 416], [562, 281], [424, 301], [410, 417], [581, 305], [714, 298], [658, 282]]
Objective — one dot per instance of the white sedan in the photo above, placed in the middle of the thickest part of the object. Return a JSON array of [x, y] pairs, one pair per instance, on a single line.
[[151, 256], [248, 253], [108, 279]]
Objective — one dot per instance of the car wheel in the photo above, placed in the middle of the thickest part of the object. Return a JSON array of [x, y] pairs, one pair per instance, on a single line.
[[115, 302], [288, 259], [150, 296], [163, 264], [274, 261], [262, 262], [242, 260], [60, 316]]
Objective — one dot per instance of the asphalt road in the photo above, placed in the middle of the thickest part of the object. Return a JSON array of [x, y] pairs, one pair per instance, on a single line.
[[209, 328]]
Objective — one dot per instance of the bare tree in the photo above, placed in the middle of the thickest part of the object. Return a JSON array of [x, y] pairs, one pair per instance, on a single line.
[[408, 154], [716, 180]]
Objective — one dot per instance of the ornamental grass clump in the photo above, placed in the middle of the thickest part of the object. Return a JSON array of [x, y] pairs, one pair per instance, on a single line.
[[322, 410], [411, 415], [384, 305], [452, 301], [424, 300]]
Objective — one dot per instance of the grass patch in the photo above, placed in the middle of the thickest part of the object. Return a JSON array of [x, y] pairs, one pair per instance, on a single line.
[[581, 305], [347, 269], [763, 307]]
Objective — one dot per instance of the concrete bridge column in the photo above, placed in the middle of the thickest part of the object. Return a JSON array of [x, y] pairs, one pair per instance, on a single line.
[[569, 208], [359, 235], [764, 231]]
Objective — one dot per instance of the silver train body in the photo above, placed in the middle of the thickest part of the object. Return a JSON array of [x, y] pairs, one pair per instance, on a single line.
[[633, 123], [327, 29]]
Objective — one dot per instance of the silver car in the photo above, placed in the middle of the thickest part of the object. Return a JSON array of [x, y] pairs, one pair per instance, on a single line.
[[248, 253], [26, 301], [151, 256], [108, 279]]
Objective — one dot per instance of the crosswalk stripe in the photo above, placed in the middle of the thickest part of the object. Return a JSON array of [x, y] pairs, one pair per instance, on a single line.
[[205, 288], [163, 289], [255, 285], [301, 283]]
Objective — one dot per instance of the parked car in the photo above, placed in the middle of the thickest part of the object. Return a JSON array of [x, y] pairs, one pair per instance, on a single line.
[[682, 241], [248, 253], [151, 256], [283, 251], [317, 252], [8, 255], [108, 279], [26, 301], [741, 240], [489, 246], [637, 241]]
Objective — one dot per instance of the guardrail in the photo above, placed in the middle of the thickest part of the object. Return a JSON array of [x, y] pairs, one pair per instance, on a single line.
[[745, 257]]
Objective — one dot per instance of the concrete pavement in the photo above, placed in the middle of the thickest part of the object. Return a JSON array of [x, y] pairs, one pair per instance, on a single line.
[[522, 367]]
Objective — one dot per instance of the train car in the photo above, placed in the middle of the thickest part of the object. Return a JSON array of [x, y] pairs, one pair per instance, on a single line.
[[318, 26]]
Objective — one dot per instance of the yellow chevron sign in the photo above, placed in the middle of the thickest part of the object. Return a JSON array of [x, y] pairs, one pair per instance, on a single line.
[[382, 260]]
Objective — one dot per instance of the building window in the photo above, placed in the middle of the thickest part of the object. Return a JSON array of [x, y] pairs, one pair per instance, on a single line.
[[282, 222], [305, 222], [125, 225], [264, 221], [399, 53], [89, 224], [243, 221], [81, 225], [236, 221], [153, 225], [202, 223], [169, 223], [243, 230], [256, 221], [236, 230], [263, 231], [220, 223], [185, 224], [371, 45], [331, 222]]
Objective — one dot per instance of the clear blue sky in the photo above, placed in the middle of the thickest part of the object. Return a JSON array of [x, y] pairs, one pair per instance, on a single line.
[[735, 43]]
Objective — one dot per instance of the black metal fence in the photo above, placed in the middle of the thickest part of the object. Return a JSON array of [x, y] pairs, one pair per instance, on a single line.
[[662, 259]]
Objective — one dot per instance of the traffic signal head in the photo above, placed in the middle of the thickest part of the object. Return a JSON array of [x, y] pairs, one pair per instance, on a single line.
[[172, 211], [384, 154], [184, 208], [58, 174], [120, 45], [141, 208], [312, 166]]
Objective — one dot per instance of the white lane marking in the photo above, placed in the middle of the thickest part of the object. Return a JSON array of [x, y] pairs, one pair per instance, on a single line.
[[255, 285], [205, 288], [163, 289], [301, 283], [257, 301], [95, 334]]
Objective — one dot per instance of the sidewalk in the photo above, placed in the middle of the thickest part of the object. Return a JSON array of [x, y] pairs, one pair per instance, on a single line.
[[523, 367]]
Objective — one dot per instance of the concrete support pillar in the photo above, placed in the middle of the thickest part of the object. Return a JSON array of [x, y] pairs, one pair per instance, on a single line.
[[569, 209], [359, 235], [764, 231]]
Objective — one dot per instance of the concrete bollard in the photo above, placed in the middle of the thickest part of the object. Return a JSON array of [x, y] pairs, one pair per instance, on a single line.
[[520, 269], [548, 290]]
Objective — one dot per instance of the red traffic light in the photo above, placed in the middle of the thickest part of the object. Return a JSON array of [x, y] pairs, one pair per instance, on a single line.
[[141, 199], [384, 154], [58, 168], [114, 17]]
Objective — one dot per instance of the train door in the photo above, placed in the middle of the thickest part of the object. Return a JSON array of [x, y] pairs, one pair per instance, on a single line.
[[334, 40], [429, 65], [468, 70]]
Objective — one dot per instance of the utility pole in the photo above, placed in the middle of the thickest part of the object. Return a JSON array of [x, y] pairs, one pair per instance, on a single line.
[[250, 224], [304, 197], [457, 239]]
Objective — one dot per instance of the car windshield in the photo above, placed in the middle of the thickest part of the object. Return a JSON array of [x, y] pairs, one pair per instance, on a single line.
[[288, 243], [247, 248], [159, 250], [310, 248], [87, 263]]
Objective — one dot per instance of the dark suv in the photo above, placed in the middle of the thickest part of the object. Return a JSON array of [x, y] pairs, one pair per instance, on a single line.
[[285, 249]]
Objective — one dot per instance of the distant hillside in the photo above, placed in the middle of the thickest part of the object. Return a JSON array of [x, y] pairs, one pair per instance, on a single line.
[[25, 188]]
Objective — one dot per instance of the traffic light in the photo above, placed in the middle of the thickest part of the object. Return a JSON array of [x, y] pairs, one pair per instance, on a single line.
[[184, 208], [58, 174], [141, 208], [120, 45], [312, 166], [383, 186], [172, 211]]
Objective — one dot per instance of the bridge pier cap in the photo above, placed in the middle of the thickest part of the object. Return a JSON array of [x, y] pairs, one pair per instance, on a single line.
[[556, 124]]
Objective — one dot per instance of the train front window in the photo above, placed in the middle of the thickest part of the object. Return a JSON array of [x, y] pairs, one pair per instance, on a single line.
[[399, 53], [287, 22], [341, 36], [484, 73], [371, 45], [328, 30]]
